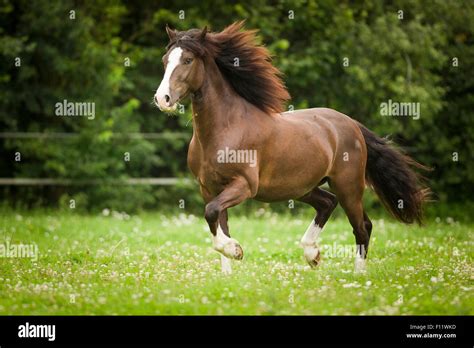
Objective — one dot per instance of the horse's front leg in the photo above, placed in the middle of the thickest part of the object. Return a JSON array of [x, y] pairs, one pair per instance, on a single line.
[[219, 239], [216, 216]]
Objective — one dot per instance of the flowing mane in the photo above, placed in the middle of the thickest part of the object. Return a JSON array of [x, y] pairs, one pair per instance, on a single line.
[[244, 63]]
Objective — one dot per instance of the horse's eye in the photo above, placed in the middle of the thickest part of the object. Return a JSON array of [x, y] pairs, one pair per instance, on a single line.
[[188, 61]]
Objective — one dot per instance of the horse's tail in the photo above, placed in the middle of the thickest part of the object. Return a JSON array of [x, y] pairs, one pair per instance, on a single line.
[[390, 173]]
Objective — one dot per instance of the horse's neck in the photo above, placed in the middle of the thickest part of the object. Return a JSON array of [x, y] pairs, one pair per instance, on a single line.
[[213, 106]]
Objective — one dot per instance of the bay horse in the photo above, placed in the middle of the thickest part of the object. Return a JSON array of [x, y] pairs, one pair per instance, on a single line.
[[237, 103]]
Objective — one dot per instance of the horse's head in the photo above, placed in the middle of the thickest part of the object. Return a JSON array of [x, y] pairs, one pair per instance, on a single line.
[[184, 67]]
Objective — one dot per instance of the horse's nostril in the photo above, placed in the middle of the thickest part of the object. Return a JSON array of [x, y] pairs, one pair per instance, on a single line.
[[156, 99], [167, 98]]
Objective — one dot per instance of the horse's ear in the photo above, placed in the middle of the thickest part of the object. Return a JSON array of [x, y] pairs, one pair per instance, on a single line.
[[171, 33], [203, 34]]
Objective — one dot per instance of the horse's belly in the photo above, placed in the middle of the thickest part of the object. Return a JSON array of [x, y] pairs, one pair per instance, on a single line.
[[284, 188]]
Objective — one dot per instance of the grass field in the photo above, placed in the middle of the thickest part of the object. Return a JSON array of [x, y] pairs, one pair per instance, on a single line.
[[155, 264]]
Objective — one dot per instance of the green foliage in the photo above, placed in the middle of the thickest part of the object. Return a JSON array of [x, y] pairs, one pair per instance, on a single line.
[[86, 59]]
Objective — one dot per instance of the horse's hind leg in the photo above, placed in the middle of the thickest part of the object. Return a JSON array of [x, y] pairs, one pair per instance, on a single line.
[[324, 202], [368, 224], [349, 193]]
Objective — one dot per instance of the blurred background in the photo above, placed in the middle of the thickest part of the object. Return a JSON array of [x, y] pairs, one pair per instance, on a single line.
[[346, 55]]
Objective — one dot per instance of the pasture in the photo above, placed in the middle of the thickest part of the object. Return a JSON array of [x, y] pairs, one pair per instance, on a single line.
[[113, 263]]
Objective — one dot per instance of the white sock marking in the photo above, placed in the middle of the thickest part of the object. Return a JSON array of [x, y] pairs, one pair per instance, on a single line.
[[359, 264], [308, 242], [226, 266], [220, 239], [227, 246], [311, 235]]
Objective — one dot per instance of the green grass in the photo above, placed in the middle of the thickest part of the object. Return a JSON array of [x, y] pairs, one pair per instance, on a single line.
[[154, 264]]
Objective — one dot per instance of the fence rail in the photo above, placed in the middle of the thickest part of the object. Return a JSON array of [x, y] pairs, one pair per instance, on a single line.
[[39, 135], [78, 182], [88, 182]]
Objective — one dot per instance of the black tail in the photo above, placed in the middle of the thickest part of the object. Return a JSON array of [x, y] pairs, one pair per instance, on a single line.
[[390, 173]]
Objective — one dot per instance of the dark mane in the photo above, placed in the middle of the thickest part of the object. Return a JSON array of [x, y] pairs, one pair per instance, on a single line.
[[254, 78]]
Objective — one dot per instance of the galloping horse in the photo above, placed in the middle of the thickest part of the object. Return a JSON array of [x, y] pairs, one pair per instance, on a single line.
[[237, 100]]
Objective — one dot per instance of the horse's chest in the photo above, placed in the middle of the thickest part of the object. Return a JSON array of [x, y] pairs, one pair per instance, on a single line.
[[205, 171]]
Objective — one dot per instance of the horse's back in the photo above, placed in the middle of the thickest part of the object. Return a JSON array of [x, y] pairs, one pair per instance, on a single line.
[[316, 114], [329, 119]]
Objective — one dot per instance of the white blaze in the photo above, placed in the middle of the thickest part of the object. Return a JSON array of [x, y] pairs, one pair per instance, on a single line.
[[164, 88]]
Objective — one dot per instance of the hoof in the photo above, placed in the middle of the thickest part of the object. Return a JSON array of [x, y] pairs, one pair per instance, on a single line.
[[314, 262], [232, 250], [312, 255], [239, 252]]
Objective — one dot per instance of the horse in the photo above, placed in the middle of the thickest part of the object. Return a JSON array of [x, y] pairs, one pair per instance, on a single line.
[[238, 99]]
